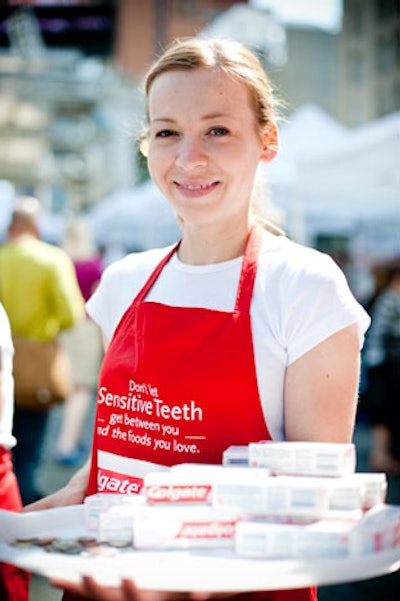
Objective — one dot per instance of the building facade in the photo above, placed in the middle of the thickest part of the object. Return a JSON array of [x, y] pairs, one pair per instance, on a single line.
[[369, 62]]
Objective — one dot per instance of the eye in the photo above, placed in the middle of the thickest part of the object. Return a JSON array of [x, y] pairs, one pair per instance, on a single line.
[[219, 131], [165, 133]]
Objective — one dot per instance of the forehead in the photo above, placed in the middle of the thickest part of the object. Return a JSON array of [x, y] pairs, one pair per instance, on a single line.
[[201, 89]]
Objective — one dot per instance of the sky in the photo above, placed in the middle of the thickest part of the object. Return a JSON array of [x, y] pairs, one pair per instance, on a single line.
[[323, 13]]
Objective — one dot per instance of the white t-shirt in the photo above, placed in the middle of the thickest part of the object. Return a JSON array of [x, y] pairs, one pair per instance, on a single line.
[[7, 440], [300, 298]]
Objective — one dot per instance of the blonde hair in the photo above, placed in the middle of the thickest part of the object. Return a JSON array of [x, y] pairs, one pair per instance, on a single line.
[[231, 57]]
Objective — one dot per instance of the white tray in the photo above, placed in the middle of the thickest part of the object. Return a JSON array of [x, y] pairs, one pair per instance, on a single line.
[[205, 570]]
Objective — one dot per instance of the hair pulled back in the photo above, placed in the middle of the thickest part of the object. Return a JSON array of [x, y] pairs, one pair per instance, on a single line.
[[231, 57]]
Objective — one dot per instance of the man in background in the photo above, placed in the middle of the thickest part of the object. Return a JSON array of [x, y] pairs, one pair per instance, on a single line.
[[40, 293]]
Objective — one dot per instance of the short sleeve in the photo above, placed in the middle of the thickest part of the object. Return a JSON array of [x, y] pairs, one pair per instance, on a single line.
[[321, 303]]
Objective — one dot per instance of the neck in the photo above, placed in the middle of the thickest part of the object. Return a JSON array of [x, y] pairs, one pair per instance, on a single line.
[[212, 246]]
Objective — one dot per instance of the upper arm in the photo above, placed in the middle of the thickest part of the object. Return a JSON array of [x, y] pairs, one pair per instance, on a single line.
[[321, 390]]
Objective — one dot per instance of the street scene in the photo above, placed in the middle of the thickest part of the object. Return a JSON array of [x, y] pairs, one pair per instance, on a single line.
[[199, 243]]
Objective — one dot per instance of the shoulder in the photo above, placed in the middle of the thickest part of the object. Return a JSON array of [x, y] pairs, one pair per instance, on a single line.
[[135, 265], [41, 252], [293, 264]]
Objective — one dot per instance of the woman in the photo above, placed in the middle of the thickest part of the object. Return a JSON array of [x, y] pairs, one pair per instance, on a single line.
[[236, 334], [14, 583]]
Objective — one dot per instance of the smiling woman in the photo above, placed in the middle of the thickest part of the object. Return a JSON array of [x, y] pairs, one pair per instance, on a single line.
[[204, 149], [203, 152], [235, 334]]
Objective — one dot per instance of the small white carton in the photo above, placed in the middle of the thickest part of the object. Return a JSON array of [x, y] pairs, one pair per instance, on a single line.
[[319, 539], [99, 504], [96, 504], [378, 530], [256, 492], [172, 527], [186, 483], [304, 458], [375, 488], [237, 455], [115, 526], [178, 487]]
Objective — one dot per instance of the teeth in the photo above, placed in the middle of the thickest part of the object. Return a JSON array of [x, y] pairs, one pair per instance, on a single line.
[[192, 187]]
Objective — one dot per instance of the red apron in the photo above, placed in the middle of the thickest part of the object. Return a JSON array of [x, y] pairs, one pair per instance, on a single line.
[[178, 385], [14, 582]]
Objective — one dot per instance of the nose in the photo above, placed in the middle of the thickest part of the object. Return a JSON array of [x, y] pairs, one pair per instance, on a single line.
[[191, 154]]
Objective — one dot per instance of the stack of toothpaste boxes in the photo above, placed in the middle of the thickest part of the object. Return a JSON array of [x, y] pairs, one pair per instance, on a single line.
[[271, 500]]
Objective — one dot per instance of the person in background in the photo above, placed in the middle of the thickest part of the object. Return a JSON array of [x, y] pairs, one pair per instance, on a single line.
[[14, 583], [40, 293], [258, 336], [382, 363], [84, 346]]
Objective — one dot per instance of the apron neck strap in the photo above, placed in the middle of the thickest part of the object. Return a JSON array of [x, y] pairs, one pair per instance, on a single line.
[[152, 279], [249, 270]]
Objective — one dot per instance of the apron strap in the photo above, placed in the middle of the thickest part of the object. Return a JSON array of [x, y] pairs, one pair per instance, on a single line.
[[249, 270], [152, 279]]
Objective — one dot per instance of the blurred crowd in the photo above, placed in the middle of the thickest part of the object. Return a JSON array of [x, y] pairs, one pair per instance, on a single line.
[[43, 289], [380, 384]]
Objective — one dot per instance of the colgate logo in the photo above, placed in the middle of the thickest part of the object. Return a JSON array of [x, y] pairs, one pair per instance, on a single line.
[[112, 482], [177, 494], [207, 530]]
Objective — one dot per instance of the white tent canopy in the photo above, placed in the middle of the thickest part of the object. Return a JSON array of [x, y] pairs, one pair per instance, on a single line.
[[136, 218], [332, 178]]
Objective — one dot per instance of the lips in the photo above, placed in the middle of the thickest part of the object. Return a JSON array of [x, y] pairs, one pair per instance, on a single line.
[[193, 188]]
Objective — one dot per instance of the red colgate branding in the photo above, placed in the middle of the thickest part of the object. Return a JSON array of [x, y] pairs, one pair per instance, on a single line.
[[220, 529], [114, 482], [188, 493]]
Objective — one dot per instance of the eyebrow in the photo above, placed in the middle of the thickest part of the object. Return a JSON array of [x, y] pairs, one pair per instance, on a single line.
[[205, 118]]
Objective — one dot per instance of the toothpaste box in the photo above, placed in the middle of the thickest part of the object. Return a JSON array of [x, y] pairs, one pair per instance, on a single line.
[[374, 488], [256, 492], [178, 487], [319, 539], [172, 527], [304, 458], [115, 526], [188, 483], [359, 491], [207, 469], [345, 493], [378, 530], [236, 455], [98, 504]]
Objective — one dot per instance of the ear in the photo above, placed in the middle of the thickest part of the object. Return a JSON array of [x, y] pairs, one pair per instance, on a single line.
[[270, 141]]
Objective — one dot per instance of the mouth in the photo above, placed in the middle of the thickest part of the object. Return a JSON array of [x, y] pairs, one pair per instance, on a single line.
[[196, 188]]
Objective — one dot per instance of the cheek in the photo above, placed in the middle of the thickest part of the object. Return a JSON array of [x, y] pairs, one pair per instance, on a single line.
[[157, 162], [154, 167]]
